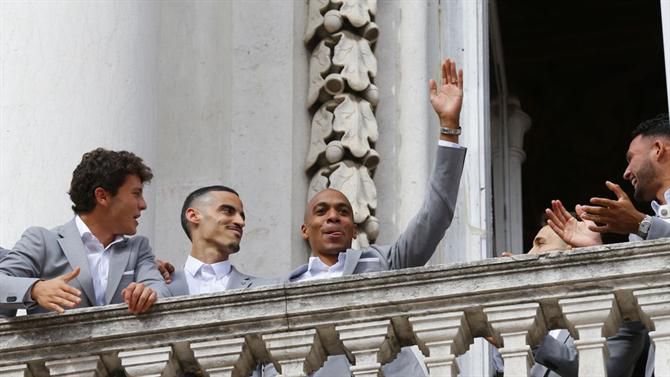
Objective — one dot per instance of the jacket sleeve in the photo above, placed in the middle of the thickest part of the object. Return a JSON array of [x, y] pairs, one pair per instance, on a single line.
[[146, 271], [559, 357], [659, 228], [20, 269], [417, 243]]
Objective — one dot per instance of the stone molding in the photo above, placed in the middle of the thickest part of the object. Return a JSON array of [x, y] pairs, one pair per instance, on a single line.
[[549, 290], [341, 36]]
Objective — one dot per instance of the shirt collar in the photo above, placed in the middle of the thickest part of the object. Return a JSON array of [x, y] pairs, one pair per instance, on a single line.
[[194, 265], [655, 205], [316, 265], [85, 233]]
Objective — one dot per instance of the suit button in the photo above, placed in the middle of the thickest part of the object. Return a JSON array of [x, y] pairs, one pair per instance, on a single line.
[[11, 299]]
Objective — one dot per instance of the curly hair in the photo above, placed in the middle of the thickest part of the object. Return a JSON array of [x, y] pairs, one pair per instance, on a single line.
[[657, 126], [105, 169]]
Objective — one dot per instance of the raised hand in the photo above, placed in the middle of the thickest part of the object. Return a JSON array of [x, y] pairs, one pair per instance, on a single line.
[[575, 233], [56, 294], [138, 297], [617, 216], [447, 99]]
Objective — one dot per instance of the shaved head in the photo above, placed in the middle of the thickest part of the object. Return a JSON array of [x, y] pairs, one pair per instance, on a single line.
[[315, 199]]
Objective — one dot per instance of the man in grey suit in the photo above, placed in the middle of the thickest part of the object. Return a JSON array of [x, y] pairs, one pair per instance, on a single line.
[[3, 252], [47, 270], [648, 170], [213, 219], [329, 227]]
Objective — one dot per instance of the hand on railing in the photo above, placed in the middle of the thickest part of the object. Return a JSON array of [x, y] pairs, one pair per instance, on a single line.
[[138, 297]]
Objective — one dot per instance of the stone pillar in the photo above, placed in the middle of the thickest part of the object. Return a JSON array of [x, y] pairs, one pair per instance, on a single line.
[[19, 370], [365, 340], [592, 319], [149, 362], [516, 325], [297, 352], [655, 304], [447, 336], [219, 357], [86, 366]]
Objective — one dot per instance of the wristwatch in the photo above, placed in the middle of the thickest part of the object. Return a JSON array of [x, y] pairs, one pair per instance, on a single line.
[[643, 229]]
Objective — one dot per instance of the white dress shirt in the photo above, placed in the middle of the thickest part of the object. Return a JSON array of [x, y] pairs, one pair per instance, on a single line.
[[206, 278], [98, 259], [316, 269]]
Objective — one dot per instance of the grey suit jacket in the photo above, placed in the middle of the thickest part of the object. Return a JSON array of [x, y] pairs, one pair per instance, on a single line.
[[417, 243], [43, 254], [236, 280], [3, 252], [413, 248], [628, 350], [659, 228]]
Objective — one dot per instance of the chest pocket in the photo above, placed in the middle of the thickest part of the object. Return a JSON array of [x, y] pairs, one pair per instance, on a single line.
[[368, 265]]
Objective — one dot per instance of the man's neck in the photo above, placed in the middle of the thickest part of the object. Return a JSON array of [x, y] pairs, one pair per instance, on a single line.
[[328, 259], [208, 254], [660, 195], [98, 229]]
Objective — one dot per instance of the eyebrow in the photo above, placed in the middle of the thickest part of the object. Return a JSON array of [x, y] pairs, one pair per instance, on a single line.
[[228, 206]]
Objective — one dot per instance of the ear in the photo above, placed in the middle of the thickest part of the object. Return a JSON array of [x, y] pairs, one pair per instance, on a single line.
[[661, 149], [192, 215], [355, 231], [303, 232], [102, 197]]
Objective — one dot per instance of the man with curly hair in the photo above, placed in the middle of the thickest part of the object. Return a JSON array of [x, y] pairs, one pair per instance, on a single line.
[[89, 261]]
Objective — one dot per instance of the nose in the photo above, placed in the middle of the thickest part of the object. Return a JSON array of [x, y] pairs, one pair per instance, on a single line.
[[239, 220], [333, 215], [142, 204], [627, 174]]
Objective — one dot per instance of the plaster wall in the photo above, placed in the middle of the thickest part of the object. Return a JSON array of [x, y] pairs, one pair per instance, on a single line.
[[73, 76]]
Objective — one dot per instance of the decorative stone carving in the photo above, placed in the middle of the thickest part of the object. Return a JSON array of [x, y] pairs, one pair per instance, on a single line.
[[148, 362], [341, 35], [89, 366], [20, 370]]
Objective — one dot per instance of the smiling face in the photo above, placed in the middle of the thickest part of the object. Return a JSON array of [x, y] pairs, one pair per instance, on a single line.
[[124, 209], [329, 223], [641, 170], [217, 220]]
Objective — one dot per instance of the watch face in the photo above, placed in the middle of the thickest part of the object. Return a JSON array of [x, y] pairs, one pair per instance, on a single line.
[[645, 224]]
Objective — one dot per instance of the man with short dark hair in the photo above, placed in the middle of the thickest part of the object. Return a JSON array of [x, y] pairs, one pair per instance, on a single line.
[[213, 219], [47, 270]]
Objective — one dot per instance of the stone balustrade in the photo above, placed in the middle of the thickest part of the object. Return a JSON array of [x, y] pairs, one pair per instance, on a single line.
[[367, 318]]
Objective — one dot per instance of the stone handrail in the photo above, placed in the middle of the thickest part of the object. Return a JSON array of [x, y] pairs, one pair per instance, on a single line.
[[514, 300]]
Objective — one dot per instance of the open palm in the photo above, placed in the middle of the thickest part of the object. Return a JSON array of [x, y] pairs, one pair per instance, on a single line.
[[447, 99]]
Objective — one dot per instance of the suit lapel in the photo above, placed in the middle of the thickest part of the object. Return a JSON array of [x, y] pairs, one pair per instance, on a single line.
[[563, 336], [75, 252], [351, 261], [118, 260], [237, 280]]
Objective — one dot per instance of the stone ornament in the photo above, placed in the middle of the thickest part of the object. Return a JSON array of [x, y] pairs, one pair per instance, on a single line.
[[341, 35]]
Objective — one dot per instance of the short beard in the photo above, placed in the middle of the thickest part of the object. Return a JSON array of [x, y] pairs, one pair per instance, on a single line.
[[233, 247]]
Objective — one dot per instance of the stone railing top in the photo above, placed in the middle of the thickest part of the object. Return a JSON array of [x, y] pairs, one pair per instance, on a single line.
[[467, 287]]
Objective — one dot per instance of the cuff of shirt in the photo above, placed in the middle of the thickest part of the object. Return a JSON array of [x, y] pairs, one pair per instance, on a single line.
[[449, 144]]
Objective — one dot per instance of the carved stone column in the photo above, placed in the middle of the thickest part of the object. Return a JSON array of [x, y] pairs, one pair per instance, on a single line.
[[447, 336], [592, 319], [341, 35], [89, 366], [655, 304], [517, 325]]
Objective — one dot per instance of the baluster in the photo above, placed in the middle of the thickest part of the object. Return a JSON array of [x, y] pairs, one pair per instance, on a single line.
[[593, 319], [19, 370], [447, 336], [516, 324], [149, 362], [655, 303], [364, 340], [219, 357], [297, 352], [77, 366]]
